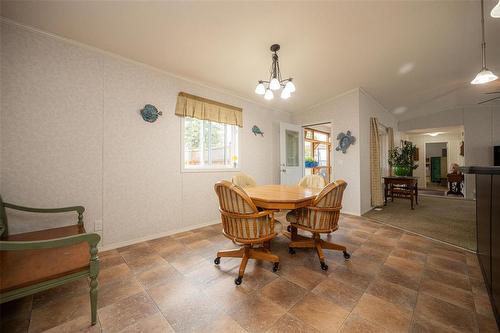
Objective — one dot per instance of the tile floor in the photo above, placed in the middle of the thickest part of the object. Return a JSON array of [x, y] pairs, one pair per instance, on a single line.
[[395, 282]]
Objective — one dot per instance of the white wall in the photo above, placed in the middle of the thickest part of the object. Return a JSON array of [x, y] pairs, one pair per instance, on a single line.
[[351, 111], [343, 113], [71, 133], [481, 132]]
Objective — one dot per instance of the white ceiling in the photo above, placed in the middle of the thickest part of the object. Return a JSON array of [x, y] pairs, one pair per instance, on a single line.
[[404, 53]]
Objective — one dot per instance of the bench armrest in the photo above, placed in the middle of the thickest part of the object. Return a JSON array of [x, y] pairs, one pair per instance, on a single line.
[[91, 238], [78, 209]]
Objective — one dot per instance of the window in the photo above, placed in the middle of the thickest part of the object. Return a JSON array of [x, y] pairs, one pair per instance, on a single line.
[[209, 145]]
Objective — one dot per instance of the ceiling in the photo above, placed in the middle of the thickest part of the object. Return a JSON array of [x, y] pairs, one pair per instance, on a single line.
[[441, 130], [406, 54]]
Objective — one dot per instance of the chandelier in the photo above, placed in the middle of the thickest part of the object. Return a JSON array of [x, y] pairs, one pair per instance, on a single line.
[[275, 82]]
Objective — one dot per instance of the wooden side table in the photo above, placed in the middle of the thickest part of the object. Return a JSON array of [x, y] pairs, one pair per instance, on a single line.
[[401, 187]]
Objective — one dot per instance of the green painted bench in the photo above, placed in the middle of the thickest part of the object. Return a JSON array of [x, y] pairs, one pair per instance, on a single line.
[[36, 261]]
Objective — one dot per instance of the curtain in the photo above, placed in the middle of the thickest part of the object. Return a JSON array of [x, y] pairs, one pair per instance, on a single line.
[[375, 177], [390, 138], [205, 109]]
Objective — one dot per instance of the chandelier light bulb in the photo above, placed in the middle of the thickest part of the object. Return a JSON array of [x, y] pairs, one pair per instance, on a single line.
[[260, 89], [285, 94], [290, 86], [484, 76], [274, 84], [268, 95], [495, 12]]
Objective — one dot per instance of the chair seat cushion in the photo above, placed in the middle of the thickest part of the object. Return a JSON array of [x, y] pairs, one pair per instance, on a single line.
[[27, 267]]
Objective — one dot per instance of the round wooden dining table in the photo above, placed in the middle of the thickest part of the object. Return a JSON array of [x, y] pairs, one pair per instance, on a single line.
[[282, 197]]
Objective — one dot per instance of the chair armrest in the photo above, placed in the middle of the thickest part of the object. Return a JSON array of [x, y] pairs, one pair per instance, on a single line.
[[91, 238], [248, 216], [78, 209], [325, 209]]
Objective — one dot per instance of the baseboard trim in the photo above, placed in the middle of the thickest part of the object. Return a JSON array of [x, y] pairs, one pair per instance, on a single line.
[[155, 236]]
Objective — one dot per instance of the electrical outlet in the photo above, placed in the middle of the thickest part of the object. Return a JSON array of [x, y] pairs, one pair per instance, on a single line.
[[98, 225]]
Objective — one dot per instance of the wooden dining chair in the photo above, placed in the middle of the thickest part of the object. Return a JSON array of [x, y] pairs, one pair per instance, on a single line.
[[243, 180], [321, 217], [312, 181], [246, 226]]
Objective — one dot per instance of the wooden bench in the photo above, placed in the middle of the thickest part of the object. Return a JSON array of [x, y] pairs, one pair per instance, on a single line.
[[36, 261]]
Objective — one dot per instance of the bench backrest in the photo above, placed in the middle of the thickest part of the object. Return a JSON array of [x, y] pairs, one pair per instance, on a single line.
[[3, 220]]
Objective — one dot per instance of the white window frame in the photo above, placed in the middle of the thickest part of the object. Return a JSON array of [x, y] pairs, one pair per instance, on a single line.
[[204, 168]]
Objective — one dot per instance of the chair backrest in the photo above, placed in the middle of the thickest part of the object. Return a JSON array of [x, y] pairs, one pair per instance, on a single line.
[[323, 215], [312, 181], [241, 220], [243, 180], [4, 231]]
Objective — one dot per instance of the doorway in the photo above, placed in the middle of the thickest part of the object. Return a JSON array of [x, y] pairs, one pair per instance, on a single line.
[[436, 167], [318, 150]]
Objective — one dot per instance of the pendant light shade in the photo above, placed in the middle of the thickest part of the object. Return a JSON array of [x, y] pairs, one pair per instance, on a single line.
[[290, 86], [269, 95], [484, 76], [274, 84], [495, 12], [285, 94], [260, 89]]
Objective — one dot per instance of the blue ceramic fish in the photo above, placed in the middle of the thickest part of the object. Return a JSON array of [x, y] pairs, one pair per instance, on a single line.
[[256, 130]]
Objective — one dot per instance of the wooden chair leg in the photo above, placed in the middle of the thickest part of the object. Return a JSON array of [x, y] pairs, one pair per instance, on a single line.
[[319, 251], [263, 255], [332, 246], [237, 253], [243, 265], [305, 244]]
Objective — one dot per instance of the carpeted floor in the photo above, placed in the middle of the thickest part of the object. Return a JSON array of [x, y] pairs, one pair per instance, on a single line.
[[446, 219]]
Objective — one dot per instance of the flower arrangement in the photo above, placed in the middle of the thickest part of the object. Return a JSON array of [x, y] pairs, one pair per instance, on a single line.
[[401, 159]]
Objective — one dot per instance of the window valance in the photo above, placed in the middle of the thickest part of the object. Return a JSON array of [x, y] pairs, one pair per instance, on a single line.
[[205, 109]]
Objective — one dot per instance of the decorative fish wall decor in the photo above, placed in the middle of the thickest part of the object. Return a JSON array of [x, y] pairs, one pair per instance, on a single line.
[[256, 130], [345, 140], [150, 113]]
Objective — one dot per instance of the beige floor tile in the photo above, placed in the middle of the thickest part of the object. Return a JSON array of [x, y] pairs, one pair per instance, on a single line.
[[110, 258], [382, 313], [154, 323], [290, 324], [483, 305], [120, 289], [409, 255], [447, 264], [256, 314], [446, 277], [282, 292], [113, 273], [302, 276], [161, 274], [393, 293], [447, 293], [78, 325], [352, 275], [58, 312], [319, 313], [338, 292], [432, 309], [126, 312], [357, 324]]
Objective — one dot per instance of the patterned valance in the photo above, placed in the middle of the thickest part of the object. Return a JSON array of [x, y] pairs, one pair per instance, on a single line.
[[205, 109]]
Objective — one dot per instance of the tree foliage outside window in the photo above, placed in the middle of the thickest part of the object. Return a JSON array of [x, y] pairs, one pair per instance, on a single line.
[[209, 144]]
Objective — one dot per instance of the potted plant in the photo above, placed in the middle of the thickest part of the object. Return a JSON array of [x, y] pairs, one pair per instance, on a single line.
[[401, 159], [310, 162]]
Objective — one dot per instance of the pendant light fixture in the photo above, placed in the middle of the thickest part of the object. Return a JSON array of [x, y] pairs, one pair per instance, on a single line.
[[275, 81], [495, 12], [485, 75]]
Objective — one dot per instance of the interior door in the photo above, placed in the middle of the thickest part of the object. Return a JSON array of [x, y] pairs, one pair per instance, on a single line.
[[291, 153]]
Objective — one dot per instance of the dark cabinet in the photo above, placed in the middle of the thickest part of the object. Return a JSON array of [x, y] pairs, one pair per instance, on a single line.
[[488, 229]]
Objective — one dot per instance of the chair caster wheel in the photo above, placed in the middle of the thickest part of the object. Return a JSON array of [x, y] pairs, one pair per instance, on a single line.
[[276, 267], [289, 228], [291, 251], [347, 256], [217, 260], [324, 266], [238, 280]]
